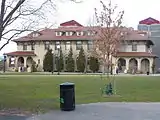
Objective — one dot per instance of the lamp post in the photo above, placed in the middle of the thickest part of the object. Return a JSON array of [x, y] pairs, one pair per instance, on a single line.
[[86, 63], [4, 63], [53, 62], [58, 47]]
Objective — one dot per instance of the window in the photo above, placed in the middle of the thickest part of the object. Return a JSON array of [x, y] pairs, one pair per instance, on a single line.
[[143, 27], [32, 46], [78, 45], [57, 44], [66, 60], [58, 33], [35, 34], [38, 61], [68, 45], [69, 33], [91, 33], [12, 62], [90, 45], [25, 46], [46, 45], [134, 47], [79, 33], [155, 34], [155, 27]]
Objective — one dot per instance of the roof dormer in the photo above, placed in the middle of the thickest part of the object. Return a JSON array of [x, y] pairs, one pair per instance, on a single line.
[[35, 34], [80, 33], [58, 33], [91, 33], [69, 33]]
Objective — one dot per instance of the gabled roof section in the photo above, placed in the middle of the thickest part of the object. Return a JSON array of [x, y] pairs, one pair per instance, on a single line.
[[50, 35], [21, 53], [135, 54], [70, 23], [149, 21], [134, 35]]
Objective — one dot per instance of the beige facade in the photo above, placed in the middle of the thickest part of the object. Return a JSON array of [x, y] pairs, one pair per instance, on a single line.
[[40, 52], [135, 55]]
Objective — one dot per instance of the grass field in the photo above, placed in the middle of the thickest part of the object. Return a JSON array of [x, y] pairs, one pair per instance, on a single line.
[[41, 92]]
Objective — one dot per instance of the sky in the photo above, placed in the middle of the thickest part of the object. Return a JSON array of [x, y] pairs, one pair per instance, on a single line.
[[134, 11]]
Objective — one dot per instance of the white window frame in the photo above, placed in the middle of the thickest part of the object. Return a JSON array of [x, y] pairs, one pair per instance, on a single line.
[[69, 33], [91, 33], [58, 33], [78, 45], [67, 45], [25, 46], [32, 46], [134, 46], [47, 45], [56, 44], [80, 33], [35, 34], [89, 44]]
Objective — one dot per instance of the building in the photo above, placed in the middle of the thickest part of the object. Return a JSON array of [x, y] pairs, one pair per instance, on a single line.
[[152, 26], [135, 53]]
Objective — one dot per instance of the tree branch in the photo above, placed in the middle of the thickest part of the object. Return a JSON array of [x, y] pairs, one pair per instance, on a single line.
[[8, 40], [2, 16], [20, 2], [12, 11]]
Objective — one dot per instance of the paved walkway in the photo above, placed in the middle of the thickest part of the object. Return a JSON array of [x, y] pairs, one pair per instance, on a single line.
[[101, 111], [13, 118], [107, 111]]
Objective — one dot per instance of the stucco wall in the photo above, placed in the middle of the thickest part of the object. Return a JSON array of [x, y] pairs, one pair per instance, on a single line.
[[141, 47], [40, 52]]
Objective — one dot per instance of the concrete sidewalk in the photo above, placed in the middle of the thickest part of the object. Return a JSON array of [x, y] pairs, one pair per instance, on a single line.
[[12, 118], [106, 111]]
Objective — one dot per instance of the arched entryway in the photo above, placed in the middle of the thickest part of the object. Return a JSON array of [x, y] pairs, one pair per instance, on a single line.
[[29, 61], [20, 62], [121, 64], [133, 64], [145, 65]]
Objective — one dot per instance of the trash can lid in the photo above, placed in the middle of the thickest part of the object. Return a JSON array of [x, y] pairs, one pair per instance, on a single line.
[[67, 83]]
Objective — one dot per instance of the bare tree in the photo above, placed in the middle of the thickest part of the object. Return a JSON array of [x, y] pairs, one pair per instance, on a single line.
[[19, 16], [110, 34]]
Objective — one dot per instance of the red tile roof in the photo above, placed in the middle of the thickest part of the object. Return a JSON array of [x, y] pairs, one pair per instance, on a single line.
[[71, 23], [50, 34], [134, 35], [149, 21], [21, 53], [135, 54]]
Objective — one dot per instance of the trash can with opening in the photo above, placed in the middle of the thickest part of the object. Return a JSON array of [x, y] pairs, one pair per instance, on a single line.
[[67, 96]]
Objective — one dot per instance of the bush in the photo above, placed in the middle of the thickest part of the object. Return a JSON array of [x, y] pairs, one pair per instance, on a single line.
[[70, 62], [16, 70], [81, 61], [60, 60], [48, 61], [93, 64], [139, 72], [34, 67]]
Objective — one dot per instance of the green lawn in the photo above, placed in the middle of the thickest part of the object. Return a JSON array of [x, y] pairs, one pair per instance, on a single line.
[[42, 92]]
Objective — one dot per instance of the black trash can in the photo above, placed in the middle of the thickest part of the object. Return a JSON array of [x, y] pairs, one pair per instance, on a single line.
[[67, 96], [147, 73]]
